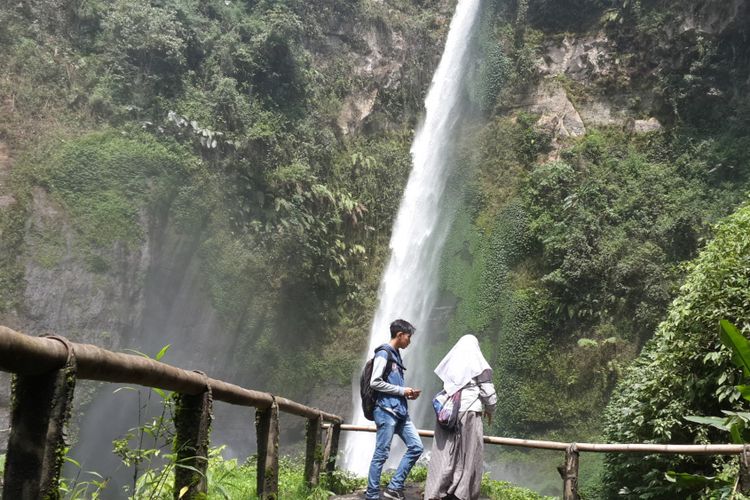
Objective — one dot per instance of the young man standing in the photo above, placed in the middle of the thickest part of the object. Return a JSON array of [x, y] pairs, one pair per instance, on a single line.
[[392, 413]]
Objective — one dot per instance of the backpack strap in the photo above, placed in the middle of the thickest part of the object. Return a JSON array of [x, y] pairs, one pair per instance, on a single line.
[[389, 357], [392, 355]]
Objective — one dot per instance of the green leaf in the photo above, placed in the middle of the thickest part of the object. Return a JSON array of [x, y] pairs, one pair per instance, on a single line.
[[163, 351], [736, 432], [744, 390], [138, 353], [688, 480], [733, 339], [718, 422]]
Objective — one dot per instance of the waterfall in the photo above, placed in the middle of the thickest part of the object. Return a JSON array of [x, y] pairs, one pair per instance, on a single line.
[[408, 288]]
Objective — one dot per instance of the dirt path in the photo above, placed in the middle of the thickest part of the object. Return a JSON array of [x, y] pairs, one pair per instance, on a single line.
[[412, 492]]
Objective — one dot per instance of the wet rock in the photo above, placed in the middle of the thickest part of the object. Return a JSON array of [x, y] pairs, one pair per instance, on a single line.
[[64, 295]]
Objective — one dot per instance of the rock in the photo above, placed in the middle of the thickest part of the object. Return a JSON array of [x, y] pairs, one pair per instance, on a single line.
[[63, 295], [552, 103], [558, 117], [644, 126], [581, 59], [713, 17], [7, 201], [412, 492], [355, 109]]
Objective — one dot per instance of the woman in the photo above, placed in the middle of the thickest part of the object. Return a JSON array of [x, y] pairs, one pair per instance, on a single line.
[[455, 468]]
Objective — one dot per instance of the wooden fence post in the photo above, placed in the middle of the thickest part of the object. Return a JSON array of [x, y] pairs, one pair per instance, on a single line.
[[744, 486], [40, 409], [267, 432], [192, 423], [313, 452], [332, 447], [570, 478]]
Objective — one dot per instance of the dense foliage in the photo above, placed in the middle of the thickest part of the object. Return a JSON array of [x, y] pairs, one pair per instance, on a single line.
[[683, 370]]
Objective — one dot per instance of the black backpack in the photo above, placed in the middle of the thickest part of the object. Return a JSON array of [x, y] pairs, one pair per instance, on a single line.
[[368, 395]]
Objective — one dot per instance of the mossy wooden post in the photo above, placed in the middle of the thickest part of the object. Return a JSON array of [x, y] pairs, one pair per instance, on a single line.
[[744, 484], [313, 451], [192, 423], [570, 479], [40, 409], [267, 431], [332, 447]]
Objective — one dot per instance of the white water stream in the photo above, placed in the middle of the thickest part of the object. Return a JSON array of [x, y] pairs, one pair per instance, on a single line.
[[408, 287]]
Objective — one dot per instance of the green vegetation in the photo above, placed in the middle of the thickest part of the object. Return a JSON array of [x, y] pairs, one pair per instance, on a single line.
[[216, 123], [564, 266], [683, 370]]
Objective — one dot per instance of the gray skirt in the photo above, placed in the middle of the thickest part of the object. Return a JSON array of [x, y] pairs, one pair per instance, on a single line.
[[456, 460]]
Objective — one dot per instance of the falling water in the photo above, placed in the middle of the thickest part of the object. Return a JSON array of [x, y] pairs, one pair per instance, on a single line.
[[408, 287]]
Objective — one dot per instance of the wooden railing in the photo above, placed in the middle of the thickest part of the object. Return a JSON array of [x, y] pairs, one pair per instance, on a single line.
[[569, 472], [46, 370]]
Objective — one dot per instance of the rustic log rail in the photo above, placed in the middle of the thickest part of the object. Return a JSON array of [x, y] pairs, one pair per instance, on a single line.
[[46, 369], [569, 472]]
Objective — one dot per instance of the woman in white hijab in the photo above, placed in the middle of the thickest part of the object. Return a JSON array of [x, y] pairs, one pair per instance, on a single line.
[[455, 468]]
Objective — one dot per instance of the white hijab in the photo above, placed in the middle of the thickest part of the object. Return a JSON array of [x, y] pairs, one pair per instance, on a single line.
[[462, 363]]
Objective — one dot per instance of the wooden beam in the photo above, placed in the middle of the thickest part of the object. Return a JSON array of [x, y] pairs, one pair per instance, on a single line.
[[40, 410], [313, 452], [570, 478], [267, 432], [332, 447], [192, 423], [744, 479], [681, 449]]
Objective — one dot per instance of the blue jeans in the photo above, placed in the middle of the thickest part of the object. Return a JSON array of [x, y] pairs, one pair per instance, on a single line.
[[388, 425]]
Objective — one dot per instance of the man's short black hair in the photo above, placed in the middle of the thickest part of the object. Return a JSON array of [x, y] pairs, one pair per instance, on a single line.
[[401, 325]]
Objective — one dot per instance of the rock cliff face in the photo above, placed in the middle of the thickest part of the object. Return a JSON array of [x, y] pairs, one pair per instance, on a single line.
[[590, 79], [571, 94], [386, 58], [63, 294]]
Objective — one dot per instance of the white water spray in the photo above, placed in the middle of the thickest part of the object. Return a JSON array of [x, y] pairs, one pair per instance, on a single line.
[[408, 287]]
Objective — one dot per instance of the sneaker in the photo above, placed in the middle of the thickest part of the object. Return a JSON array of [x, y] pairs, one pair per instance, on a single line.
[[394, 494]]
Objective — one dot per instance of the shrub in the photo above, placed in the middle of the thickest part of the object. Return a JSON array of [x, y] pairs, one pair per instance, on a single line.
[[683, 370]]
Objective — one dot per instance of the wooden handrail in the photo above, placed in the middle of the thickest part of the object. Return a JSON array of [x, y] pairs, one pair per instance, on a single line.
[[26, 355], [681, 449], [46, 372], [569, 472]]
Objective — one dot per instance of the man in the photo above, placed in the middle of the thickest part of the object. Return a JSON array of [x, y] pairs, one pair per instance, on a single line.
[[392, 413]]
